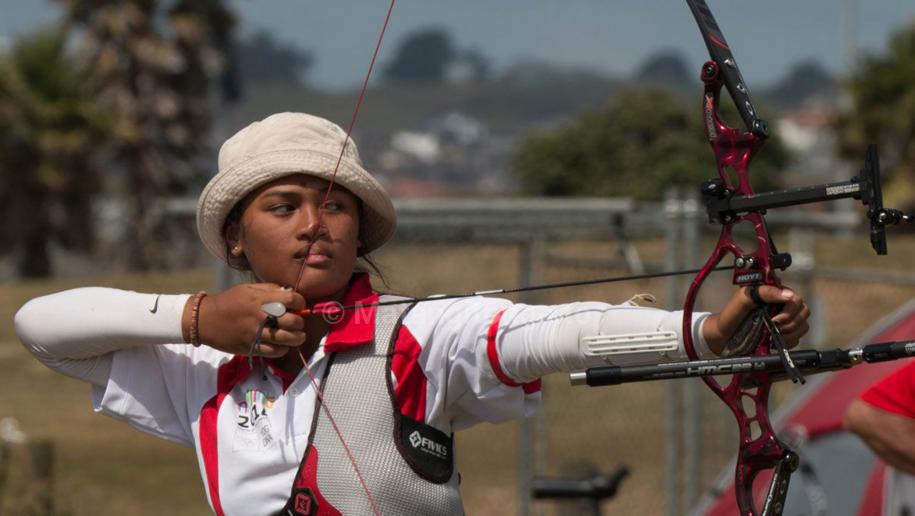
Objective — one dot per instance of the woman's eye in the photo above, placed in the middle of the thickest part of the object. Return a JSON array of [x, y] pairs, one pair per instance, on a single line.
[[282, 209], [332, 205]]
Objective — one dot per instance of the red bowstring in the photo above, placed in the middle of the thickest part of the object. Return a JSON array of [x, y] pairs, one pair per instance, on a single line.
[[365, 84], [352, 124], [333, 423], [330, 186]]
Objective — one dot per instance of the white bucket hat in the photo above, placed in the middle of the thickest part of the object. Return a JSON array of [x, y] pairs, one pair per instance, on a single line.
[[281, 145]]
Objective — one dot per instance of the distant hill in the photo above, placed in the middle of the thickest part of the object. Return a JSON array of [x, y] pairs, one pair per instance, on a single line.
[[666, 68], [527, 97], [528, 94], [805, 81]]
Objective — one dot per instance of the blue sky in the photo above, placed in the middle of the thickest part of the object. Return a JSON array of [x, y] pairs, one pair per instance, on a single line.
[[612, 36]]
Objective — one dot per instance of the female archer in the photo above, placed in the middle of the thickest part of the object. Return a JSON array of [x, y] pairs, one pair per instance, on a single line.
[[306, 391]]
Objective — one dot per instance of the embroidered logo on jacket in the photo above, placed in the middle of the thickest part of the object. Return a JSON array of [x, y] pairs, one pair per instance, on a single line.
[[252, 426], [305, 503]]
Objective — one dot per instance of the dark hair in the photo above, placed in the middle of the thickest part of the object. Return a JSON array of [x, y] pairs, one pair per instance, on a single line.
[[369, 263]]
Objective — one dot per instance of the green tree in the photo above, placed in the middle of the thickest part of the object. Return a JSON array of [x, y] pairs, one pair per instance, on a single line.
[[264, 60], [423, 57], [882, 89], [50, 131], [641, 142]]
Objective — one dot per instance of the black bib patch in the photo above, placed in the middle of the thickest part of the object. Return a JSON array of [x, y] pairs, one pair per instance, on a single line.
[[428, 451]]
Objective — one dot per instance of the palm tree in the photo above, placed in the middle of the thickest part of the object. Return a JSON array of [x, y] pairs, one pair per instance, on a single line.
[[159, 82], [50, 130]]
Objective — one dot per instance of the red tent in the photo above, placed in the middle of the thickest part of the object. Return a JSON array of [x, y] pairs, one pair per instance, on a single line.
[[838, 473]]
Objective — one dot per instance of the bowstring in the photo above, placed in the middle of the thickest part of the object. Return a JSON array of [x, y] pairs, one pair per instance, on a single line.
[[330, 186], [331, 308], [349, 129], [333, 424]]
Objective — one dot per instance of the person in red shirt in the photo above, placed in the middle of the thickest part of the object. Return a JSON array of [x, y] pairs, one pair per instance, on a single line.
[[884, 417]]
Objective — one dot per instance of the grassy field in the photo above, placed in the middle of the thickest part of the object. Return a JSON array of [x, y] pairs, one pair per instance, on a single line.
[[105, 468]]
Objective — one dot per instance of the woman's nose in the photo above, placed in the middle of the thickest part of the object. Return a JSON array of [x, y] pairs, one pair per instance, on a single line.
[[311, 226]]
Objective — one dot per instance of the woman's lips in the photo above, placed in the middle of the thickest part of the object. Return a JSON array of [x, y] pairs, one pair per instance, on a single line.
[[317, 259], [313, 257]]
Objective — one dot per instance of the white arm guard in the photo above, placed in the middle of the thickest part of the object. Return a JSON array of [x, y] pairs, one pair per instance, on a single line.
[[537, 340]]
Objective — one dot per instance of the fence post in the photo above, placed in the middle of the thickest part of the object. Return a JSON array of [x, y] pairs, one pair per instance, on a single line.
[[531, 258], [672, 214], [5, 457], [692, 436], [41, 458]]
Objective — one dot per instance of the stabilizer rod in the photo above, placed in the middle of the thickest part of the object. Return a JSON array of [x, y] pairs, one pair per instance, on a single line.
[[807, 360]]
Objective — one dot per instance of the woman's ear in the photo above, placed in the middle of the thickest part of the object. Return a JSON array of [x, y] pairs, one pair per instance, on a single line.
[[233, 239]]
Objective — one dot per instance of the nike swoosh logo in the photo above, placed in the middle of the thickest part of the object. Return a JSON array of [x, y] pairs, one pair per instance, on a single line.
[[156, 305]]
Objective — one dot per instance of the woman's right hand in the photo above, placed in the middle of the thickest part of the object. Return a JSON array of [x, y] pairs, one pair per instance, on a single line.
[[229, 320]]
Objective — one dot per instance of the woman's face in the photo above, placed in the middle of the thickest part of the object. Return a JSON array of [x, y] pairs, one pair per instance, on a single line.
[[285, 226]]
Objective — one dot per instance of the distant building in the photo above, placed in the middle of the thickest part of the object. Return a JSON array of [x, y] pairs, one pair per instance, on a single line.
[[452, 154], [808, 134]]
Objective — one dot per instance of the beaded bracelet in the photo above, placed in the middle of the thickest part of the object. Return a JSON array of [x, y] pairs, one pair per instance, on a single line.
[[195, 318]]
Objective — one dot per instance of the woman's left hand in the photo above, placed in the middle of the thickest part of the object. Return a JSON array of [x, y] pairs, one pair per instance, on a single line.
[[791, 320]]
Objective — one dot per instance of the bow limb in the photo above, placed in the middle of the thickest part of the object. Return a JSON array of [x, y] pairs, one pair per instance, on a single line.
[[747, 393]]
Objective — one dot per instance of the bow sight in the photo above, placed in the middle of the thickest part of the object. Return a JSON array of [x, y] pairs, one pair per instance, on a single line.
[[724, 206], [724, 203]]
